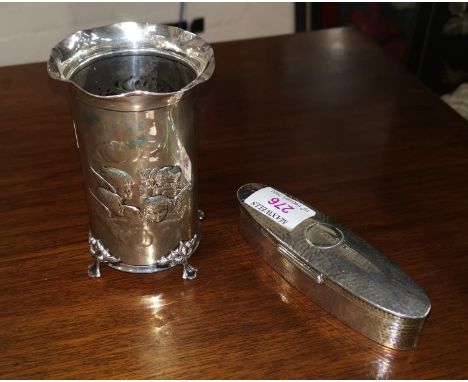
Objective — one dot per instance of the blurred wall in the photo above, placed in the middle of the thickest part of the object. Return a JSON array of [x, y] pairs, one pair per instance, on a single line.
[[29, 30]]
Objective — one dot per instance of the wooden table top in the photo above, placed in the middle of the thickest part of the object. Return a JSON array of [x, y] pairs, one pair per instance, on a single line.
[[327, 117]]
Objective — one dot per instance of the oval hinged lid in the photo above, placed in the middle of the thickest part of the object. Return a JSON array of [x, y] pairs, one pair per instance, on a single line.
[[327, 251]]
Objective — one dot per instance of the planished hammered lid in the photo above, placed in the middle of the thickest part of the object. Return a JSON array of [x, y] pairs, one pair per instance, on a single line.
[[333, 266]]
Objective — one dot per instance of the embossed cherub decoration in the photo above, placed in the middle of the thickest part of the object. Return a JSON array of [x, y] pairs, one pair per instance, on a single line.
[[120, 181], [155, 208], [160, 190], [114, 187], [165, 181]]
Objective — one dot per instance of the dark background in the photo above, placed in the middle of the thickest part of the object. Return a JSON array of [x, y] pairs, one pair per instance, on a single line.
[[430, 39]]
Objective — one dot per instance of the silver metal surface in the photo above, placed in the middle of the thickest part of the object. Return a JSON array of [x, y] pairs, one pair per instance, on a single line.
[[341, 272], [134, 101], [100, 254]]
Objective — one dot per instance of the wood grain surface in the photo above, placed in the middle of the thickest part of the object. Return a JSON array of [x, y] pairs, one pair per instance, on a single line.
[[327, 117]]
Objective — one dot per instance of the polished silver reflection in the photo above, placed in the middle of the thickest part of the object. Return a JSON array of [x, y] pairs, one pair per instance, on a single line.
[[342, 273], [134, 101]]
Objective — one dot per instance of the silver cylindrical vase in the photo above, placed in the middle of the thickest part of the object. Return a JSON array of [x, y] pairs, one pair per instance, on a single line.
[[133, 90]]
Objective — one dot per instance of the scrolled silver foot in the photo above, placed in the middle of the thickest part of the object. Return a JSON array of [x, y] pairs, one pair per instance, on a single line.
[[93, 270], [100, 254], [190, 272], [180, 255]]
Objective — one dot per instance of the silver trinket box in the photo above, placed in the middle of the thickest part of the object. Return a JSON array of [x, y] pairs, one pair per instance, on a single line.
[[332, 266]]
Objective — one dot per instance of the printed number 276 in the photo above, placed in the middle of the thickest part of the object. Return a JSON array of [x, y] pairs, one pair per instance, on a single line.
[[281, 206]]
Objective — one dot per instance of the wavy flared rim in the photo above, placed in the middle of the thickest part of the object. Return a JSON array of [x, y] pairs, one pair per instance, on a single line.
[[85, 46]]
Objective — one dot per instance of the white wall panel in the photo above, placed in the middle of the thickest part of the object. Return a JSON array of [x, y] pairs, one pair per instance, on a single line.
[[29, 30]]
